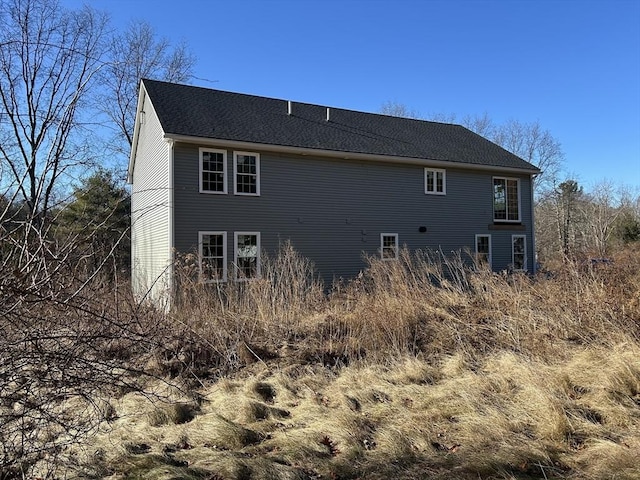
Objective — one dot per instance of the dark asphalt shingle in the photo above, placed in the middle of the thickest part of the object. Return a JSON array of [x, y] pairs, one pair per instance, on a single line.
[[216, 114]]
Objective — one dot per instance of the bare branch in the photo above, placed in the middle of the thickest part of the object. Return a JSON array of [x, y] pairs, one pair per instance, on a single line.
[[48, 60], [135, 54]]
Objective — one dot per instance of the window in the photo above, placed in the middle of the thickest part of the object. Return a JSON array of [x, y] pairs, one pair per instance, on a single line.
[[435, 181], [506, 199], [389, 246], [519, 252], [483, 250], [247, 255], [213, 171], [213, 256], [246, 171]]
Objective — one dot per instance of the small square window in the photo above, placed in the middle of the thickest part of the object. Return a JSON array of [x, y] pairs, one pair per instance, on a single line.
[[389, 246], [435, 181]]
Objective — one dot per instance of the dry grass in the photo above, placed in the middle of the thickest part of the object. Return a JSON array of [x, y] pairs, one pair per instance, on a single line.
[[510, 418], [418, 369]]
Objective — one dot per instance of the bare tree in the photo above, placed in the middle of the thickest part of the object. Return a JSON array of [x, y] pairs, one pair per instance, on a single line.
[[65, 335], [535, 145], [527, 140], [396, 109], [481, 124], [548, 243], [138, 53], [49, 58], [600, 213]]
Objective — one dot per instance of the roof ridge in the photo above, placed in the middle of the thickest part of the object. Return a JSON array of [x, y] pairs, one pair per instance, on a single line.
[[201, 112], [332, 107]]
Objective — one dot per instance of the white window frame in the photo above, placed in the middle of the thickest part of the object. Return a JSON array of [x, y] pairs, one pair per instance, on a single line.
[[524, 253], [235, 173], [434, 185], [490, 254], [235, 256], [382, 247], [224, 170], [224, 257], [506, 200]]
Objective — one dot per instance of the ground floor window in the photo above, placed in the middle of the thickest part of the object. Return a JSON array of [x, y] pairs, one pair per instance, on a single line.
[[519, 252], [483, 250], [247, 255], [212, 247], [389, 246]]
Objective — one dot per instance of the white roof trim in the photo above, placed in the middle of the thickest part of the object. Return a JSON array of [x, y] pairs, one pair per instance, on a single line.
[[142, 93], [341, 155]]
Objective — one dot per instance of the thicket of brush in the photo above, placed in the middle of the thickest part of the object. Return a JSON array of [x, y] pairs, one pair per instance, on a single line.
[[422, 305], [419, 368]]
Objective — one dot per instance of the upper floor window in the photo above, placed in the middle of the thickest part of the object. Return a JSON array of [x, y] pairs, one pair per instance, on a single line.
[[213, 171], [435, 181], [213, 256], [246, 173], [389, 246], [483, 250], [506, 199], [247, 255]]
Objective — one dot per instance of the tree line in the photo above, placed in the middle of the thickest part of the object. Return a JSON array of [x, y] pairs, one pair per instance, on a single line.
[[571, 223]]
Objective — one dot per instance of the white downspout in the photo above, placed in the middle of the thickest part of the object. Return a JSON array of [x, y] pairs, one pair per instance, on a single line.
[[171, 242], [533, 226]]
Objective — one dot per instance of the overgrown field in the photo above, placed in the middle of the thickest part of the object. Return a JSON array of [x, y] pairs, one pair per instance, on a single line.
[[420, 368]]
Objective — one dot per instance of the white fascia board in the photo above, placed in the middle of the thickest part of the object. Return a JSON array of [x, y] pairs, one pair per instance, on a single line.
[[340, 155], [136, 133]]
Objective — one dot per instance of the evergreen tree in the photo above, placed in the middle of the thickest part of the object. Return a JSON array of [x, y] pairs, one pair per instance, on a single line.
[[97, 221]]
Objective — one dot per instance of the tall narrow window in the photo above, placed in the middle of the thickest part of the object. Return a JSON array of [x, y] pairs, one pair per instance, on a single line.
[[246, 171], [435, 181], [213, 256], [389, 246], [519, 252], [213, 171], [506, 199], [483, 249], [247, 255]]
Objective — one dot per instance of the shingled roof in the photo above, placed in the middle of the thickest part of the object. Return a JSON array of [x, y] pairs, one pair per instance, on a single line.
[[214, 114]]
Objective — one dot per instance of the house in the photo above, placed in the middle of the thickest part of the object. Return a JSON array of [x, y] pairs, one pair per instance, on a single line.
[[230, 175]]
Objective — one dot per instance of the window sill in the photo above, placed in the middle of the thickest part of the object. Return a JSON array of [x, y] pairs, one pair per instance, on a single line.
[[212, 192], [516, 227]]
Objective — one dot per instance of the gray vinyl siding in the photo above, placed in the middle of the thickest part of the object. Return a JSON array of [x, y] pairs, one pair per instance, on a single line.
[[333, 211], [150, 213], [502, 239]]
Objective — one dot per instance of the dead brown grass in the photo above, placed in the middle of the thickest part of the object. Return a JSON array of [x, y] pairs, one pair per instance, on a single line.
[[418, 369]]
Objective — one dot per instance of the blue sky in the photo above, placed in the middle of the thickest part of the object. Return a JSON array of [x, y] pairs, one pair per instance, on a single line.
[[572, 65]]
